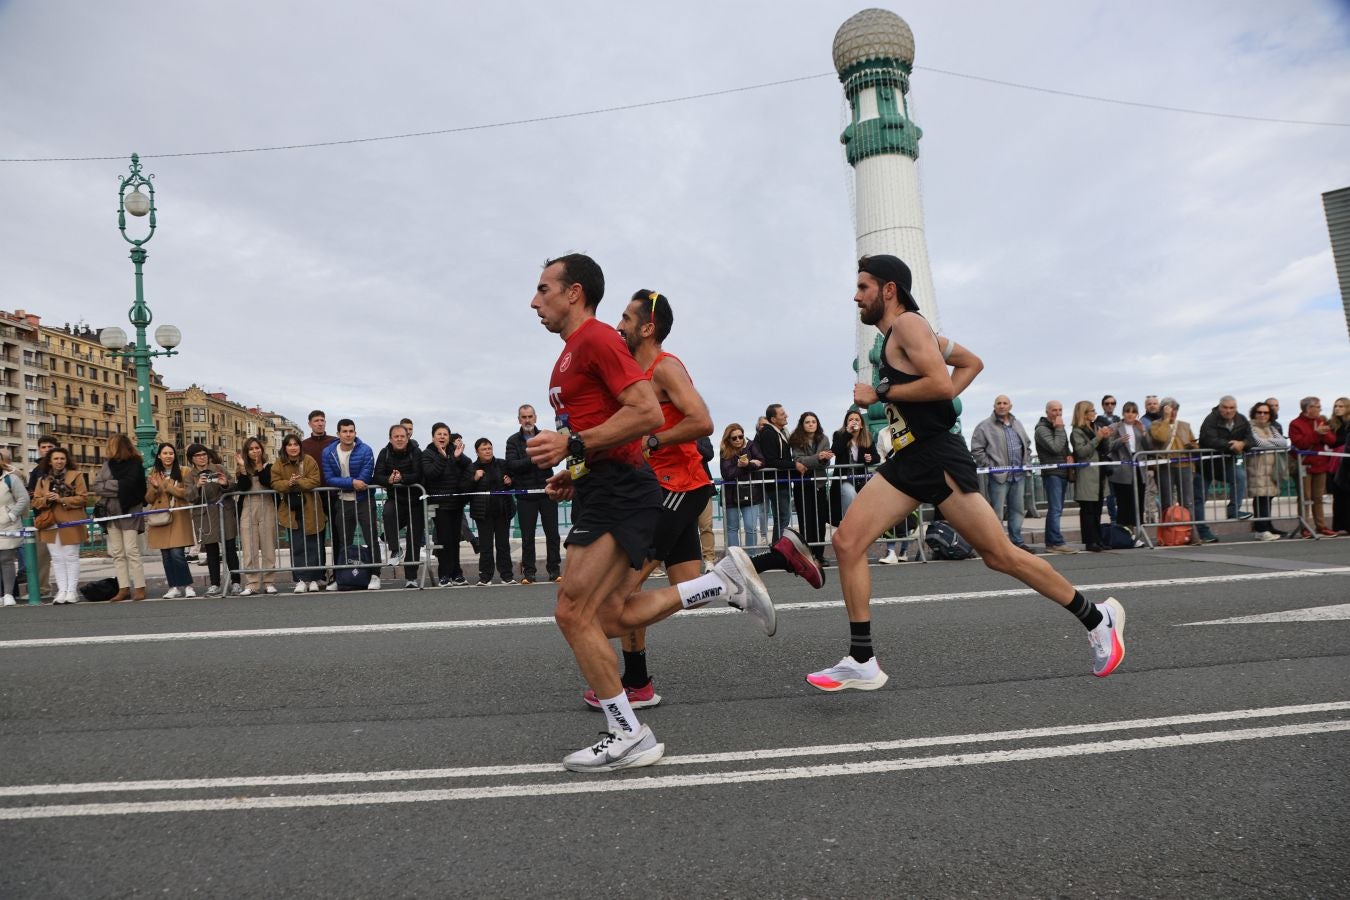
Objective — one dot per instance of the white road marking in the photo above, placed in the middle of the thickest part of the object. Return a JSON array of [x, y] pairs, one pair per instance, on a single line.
[[1310, 614], [666, 782], [1022, 734], [320, 630]]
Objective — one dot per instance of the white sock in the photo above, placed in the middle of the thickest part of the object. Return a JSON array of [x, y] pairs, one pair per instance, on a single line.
[[701, 590], [619, 714]]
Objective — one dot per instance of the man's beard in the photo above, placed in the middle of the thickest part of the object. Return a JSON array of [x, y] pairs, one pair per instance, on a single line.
[[871, 313]]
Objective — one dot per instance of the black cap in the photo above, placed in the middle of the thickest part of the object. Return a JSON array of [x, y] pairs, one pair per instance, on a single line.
[[886, 268]]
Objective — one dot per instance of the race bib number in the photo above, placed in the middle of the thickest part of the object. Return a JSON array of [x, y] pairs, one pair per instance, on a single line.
[[901, 436]]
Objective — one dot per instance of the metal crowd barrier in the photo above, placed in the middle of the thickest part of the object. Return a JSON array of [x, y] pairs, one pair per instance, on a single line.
[[373, 523], [1213, 486]]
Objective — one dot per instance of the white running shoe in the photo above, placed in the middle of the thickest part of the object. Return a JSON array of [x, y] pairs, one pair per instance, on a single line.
[[374, 583], [174, 593], [213, 591], [410, 585], [189, 592], [247, 592], [617, 750], [745, 589], [314, 586], [332, 586], [1267, 536], [8, 600], [889, 559], [299, 588], [1108, 638], [235, 588], [270, 589], [849, 673]]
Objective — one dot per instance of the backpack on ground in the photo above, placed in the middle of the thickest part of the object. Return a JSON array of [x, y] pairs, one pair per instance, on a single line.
[[945, 543], [1118, 537], [100, 591], [350, 576], [1175, 535]]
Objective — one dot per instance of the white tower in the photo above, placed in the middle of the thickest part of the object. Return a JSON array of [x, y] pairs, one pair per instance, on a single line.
[[874, 56]]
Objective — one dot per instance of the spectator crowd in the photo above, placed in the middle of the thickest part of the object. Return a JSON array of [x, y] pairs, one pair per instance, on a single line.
[[1124, 468]]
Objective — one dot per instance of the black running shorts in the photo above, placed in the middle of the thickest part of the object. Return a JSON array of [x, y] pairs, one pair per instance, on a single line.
[[617, 499], [920, 469], [677, 529]]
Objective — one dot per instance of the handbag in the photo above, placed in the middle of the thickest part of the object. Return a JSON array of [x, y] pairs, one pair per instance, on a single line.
[[161, 517], [45, 519]]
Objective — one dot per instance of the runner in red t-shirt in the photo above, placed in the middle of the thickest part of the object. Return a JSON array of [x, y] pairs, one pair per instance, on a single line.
[[604, 404]]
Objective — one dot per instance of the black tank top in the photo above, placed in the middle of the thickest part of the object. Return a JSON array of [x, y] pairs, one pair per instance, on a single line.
[[912, 420]]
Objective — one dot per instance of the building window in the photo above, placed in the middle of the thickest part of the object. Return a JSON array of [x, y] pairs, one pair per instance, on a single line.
[[198, 414], [30, 407], [93, 398], [79, 371], [105, 376], [67, 365], [117, 379]]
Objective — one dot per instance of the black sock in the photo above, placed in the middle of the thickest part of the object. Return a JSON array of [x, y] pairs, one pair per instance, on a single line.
[[770, 561], [1087, 613], [860, 641], [635, 669]]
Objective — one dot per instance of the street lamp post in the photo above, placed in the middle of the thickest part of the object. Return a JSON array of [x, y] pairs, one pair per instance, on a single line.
[[167, 336]]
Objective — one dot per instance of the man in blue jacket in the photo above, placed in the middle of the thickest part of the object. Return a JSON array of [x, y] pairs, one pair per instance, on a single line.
[[349, 464]]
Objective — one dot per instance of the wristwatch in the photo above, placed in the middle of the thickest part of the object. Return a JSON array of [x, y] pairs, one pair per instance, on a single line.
[[653, 443], [576, 447]]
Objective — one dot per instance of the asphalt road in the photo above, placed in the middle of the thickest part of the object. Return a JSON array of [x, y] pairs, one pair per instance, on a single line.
[[409, 743]]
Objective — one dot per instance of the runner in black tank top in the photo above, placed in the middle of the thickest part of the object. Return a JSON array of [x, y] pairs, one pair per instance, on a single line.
[[930, 464]]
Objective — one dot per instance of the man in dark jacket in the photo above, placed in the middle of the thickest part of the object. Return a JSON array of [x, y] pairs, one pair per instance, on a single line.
[[397, 469], [772, 442], [1108, 419], [313, 447], [535, 506], [1052, 448], [1226, 431]]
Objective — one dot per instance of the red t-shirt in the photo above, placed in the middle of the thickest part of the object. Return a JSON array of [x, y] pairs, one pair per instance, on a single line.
[[594, 369]]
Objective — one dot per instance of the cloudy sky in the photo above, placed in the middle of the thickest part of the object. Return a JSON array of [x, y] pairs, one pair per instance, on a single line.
[[1079, 247]]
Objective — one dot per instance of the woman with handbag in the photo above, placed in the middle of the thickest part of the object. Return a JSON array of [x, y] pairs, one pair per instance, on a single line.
[[13, 504], [492, 513], [120, 486], [257, 517], [1087, 439], [1128, 437], [295, 477], [742, 489], [60, 497], [1265, 470], [169, 530]]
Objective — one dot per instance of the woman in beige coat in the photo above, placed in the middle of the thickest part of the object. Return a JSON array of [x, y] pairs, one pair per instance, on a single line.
[[65, 492], [294, 478], [170, 486]]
